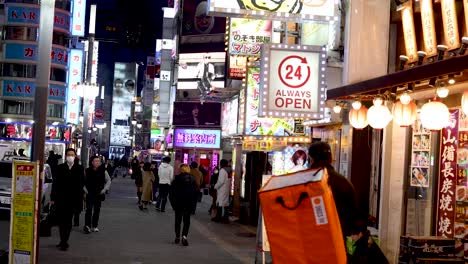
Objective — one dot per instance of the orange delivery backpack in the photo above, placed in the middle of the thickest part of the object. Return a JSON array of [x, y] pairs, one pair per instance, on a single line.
[[301, 220]]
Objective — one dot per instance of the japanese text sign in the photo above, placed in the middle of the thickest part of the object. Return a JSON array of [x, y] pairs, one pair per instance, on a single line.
[[197, 138], [78, 22], [409, 32], [449, 18], [23, 220], [18, 51], [428, 25], [293, 81], [74, 77], [292, 10], [19, 14], [447, 178], [24, 89], [248, 35]]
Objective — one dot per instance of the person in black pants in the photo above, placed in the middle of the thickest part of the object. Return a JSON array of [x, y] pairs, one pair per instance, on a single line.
[[166, 176], [97, 182], [185, 193], [66, 195]]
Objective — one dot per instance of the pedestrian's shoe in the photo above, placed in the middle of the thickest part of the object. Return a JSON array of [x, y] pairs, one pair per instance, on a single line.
[[184, 241], [177, 240], [87, 230], [141, 207], [158, 209], [64, 247], [95, 229]]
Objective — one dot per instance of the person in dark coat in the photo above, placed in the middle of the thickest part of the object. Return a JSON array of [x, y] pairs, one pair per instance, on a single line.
[[366, 250], [137, 170], [66, 195], [343, 190], [185, 192], [97, 182]]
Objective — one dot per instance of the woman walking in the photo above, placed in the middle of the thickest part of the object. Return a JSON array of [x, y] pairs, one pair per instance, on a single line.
[[138, 176], [185, 191], [148, 179]]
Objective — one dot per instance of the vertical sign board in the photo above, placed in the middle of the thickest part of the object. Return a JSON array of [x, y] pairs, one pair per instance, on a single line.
[[449, 18], [465, 7], [74, 77], [293, 81], [448, 178], [78, 20], [23, 221], [427, 21], [409, 32]]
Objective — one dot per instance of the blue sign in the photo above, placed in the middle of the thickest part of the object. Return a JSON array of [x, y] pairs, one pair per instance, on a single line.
[[19, 51], [79, 13], [197, 138], [31, 15], [24, 89], [75, 73]]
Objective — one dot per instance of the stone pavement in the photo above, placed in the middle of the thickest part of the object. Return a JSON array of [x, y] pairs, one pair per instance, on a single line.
[[131, 236]]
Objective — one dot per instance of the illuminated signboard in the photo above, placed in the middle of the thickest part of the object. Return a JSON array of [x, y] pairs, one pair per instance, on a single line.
[[237, 65], [294, 10], [75, 75], [428, 25], [78, 21], [293, 81], [409, 32], [24, 89], [18, 14], [248, 35], [449, 18], [197, 138], [229, 117], [195, 66], [19, 51]]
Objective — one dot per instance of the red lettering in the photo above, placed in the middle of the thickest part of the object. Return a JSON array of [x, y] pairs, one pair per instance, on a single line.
[[9, 89], [19, 89], [14, 14], [32, 16], [27, 89]]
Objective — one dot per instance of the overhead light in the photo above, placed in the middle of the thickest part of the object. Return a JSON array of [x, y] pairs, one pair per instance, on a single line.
[[441, 49], [32, 121], [403, 60], [442, 90], [405, 98], [337, 109], [8, 120], [139, 125], [134, 122], [434, 115], [464, 46], [358, 118], [356, 105], [89, 131], [378, 101], [404, 114], [451, 80], [379, 115], [421, 56], [55, 123], [94, 128]]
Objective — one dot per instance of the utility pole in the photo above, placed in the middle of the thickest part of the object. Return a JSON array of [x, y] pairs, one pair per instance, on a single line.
[[89, 67]]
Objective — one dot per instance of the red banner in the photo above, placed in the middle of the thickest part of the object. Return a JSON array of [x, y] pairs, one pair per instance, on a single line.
[[448, 177]]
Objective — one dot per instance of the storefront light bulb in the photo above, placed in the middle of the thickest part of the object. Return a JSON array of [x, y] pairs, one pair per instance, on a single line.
[[442, 91], [405, 98], [378, 101], [337, 109], [356, 105]]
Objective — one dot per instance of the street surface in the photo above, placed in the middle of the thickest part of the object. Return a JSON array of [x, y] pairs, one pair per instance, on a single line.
[[131, 236]]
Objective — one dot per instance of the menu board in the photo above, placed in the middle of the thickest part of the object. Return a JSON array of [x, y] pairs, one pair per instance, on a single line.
[[420, 156], [461, 194]]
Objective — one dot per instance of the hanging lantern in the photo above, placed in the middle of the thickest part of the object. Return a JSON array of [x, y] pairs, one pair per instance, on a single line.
[[404, 114], [358, 118], [434, 115], [464, 102], [378, 115]]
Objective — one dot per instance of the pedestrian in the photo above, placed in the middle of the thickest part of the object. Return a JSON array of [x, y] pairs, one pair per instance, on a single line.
[[79, 207], [213, 180], [52, 160], [97, 182], [199, 178], [184, 193], [138, 176], [166, 176], [124, 166], [66, 194], [154, 169], [343, 191], [148, 179], [223, 187], [366, 250]]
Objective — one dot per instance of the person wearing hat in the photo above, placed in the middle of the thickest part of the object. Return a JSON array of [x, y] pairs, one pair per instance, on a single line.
[[343, 191]]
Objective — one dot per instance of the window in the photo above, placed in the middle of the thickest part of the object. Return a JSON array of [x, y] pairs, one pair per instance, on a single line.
[[20, 33], [18, 70], [27, 108], [23, 1], [59, 39], [58, 75], [63, 4], [55, 110]]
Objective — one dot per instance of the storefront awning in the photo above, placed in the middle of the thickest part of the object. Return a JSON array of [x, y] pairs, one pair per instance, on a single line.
[[419, 75]]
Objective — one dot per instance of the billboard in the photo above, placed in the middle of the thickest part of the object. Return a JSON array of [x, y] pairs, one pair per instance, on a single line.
[[196, 22], [78, 20], [293, 158], [247, 36], [237, 65], [292, 10], [21, 131], [195, 114], [230, 117], [25, 89], [293, 81], [201, 70], [197, 138], [19, 14], [124, 91], [75, 75], [20, 51]]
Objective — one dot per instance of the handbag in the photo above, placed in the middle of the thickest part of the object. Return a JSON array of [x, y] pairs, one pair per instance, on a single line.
[[301, 220]]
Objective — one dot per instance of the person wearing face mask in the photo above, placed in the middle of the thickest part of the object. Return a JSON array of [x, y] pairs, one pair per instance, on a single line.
[[67, 195]]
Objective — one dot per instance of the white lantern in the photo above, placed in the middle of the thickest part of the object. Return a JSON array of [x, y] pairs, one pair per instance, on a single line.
[[358, 118], [404, 114], [379, 116], [434, 115], [464, 102]]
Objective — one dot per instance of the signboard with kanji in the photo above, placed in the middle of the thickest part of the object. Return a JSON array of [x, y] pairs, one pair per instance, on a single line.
[[74, 77], [248, 35], [293, 82]]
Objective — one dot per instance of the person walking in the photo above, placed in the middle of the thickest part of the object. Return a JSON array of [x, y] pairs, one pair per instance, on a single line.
[[97, 182], [138, 176], [184, 194], [213, 180], [148, 179], [222, 186], [166, 176], [199, 178], [66, 195]]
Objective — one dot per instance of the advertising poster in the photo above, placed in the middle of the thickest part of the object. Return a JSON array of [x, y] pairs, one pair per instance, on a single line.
[[262, 126], [23, 224], [293, 81], [201, 71], [461, 194], [229, 117], [322, 10], [124, 92], [196, 22], [157, 139], [195, 114], [420, 156], [292, 159], [237, 66], [247, 36], [23, 132], [116, 152], [197, 138]]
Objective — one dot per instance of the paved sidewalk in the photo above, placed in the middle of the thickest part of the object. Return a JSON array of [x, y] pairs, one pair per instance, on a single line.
[[131, 236]]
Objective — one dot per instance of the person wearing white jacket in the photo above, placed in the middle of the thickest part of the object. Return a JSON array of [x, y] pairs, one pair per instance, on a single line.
[[223, 186], [166, 176]]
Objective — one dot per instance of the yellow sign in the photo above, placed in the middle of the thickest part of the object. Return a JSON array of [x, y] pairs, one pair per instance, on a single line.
[[263, 145], [409, 33], [449, 17], [23, 220], [427, 20]]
